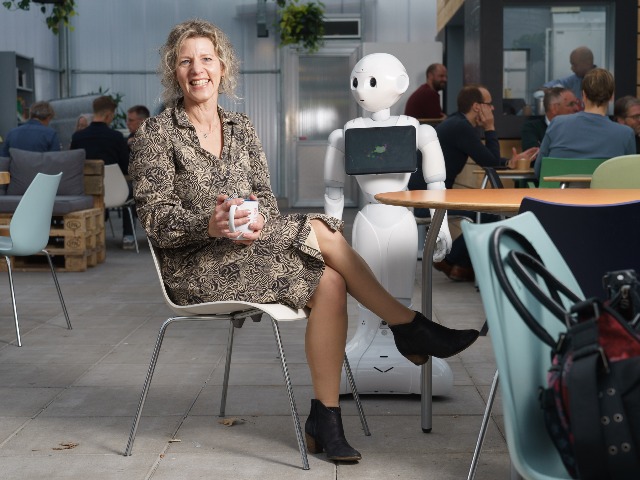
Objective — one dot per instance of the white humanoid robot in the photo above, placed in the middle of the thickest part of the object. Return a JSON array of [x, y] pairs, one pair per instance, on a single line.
[[385, 236]]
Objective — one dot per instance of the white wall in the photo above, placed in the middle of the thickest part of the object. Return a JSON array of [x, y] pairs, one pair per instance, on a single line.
[[114, 46], [123, 36]]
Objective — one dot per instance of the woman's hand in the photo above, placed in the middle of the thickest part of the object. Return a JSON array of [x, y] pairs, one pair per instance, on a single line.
[[219, 220]]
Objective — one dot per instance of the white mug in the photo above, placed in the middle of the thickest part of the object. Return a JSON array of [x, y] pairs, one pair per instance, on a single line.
[[252, 207]]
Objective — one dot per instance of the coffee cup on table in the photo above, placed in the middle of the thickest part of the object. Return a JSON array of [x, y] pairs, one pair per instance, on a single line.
[[249, 205], [523, 164]]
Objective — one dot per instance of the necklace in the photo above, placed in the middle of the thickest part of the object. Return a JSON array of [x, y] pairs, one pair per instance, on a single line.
[[206, 134]]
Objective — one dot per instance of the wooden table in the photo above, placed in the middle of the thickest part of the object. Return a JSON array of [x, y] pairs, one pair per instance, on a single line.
[[507, 173], [4, 178], [583, 180], [499, 201]]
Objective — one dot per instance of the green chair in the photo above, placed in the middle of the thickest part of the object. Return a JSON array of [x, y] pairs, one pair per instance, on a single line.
[[29, 233], [552, 166], [522, 359], [618, 172]]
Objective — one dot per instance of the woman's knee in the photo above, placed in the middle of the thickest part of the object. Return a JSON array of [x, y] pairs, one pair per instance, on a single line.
[[332, 288], [330, 241]]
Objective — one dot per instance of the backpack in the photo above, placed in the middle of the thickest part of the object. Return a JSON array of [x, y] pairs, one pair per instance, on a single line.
[[591, 403]]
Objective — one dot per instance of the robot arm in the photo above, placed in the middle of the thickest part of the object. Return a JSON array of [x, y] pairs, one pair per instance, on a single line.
[[334, 175], [435, 174]]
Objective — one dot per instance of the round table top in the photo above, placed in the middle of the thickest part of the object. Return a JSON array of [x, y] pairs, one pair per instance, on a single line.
[[504, 199]]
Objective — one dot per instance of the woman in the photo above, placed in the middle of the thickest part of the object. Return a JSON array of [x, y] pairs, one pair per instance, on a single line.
[[190, 164]]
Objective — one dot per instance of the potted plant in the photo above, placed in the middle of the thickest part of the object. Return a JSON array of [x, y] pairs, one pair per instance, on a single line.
[[61, 12], [301, 24]]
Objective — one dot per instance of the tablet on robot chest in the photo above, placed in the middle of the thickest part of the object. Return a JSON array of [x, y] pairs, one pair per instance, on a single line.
[[378, 150]]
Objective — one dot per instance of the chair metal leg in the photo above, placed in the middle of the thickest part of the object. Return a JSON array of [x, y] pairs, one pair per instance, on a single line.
[[292, 401], [356, 397], [147, 382], [55, 280], [227, 367], [483, 427], [113, 233], [133, 227], [13, 300]]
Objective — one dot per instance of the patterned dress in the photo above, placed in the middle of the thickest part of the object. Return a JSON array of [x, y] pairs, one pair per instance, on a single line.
[[175, 187]]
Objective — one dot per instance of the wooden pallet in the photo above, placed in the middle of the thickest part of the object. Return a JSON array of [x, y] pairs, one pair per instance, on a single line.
[[76, 242]]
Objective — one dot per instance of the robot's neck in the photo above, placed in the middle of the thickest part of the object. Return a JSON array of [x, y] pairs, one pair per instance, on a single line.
[[381, 115]]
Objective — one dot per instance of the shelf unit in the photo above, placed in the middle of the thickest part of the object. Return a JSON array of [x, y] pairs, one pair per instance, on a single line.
[[17, 81]]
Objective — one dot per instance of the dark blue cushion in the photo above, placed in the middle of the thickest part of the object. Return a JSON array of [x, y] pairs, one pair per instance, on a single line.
[[25, 165]]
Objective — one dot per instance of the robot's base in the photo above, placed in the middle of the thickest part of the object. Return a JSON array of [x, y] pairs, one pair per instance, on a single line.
[[378, 368], [397, 376]]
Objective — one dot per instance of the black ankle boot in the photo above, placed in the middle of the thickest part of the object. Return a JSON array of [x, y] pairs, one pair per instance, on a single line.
[[422, 337], [323, 431]]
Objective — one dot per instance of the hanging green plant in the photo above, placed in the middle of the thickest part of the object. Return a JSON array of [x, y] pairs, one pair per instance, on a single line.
[[301, 24], [61, 12]]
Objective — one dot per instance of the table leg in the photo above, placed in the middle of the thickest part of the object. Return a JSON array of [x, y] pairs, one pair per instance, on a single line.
[[426, 386]]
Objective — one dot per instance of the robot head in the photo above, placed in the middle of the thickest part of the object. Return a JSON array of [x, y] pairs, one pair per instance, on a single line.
[[377, 81]]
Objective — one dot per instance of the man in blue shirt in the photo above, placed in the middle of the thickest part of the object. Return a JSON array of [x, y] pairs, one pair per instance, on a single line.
[[35, 135], [590, 133], [581, 60]]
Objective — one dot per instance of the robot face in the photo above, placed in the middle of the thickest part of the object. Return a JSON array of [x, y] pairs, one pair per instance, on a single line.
[[377, 81]]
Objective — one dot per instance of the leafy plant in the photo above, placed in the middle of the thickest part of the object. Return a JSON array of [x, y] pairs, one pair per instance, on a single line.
[[301, 24], [61, 12]]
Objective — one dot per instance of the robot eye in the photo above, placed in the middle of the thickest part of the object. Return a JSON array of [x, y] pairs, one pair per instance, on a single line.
[[372, 82], [354, 83]]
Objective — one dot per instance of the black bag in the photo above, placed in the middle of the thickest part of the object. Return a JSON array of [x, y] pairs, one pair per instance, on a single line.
[[591, 404]]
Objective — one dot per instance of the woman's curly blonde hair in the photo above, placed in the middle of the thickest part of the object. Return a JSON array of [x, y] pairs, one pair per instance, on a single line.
[[169, 58]]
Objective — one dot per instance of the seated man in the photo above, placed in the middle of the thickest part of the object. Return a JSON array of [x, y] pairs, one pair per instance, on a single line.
[[590, 133], [626, 111], [35, 135], [460, 139], [425, 101], [556, 101], [135, 116], [100, 141]]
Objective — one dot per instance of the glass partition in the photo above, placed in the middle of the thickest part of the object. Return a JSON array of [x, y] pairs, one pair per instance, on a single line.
[[538, 41]]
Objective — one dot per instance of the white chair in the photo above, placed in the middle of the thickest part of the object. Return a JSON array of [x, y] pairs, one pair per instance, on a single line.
[[235, 312], [29, 232], [116, 193]]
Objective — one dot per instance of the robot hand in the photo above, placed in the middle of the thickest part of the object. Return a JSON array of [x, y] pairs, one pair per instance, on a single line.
[[443, 243]]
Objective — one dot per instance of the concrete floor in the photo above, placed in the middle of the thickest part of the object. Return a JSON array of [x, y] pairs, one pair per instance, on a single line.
[[67, 398]]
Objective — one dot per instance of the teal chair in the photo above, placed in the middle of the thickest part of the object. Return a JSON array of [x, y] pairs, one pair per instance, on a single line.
[[563, 166], [618, 172], [29, 232], [522, 359]]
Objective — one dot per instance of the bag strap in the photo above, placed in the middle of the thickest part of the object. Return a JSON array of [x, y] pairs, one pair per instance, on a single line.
[[582, 385], [519, 261]]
